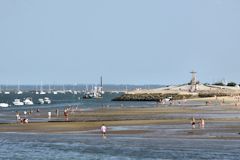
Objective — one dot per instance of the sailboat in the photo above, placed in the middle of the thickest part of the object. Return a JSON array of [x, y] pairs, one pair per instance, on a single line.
[[49, 89], [19, 91], [96, 92], [36, 90], [101, 86], [6, 92], [41, 89], [54, 90], [87, 94]]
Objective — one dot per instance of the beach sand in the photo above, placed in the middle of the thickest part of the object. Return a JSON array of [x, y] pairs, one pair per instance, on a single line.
[[222, 121]]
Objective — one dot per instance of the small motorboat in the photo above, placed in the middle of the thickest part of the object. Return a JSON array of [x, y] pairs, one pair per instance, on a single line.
[[4, 105], [28, 101], [17, 102], [47, 100], [41, 101]]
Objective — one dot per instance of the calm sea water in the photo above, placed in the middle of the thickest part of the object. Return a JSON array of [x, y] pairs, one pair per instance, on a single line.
[[83, 146], [63, 100]]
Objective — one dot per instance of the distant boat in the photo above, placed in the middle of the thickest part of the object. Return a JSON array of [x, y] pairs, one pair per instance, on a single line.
[[96, 92], [4, 105], [37, 92], [28, 101], [17, 102], [55, 92], [6, 92], [41, 101], [19, 91], [61, 91], [41, 90], [49, 89], [88, 95], [47, 100], [75, 92]]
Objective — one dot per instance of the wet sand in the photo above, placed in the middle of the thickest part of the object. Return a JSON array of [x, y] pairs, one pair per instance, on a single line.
[[222, 121]]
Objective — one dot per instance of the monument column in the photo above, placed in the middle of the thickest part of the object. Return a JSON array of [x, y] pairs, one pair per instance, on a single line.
[[193, 82]]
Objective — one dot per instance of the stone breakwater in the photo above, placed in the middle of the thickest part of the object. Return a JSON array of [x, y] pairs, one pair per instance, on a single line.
[[178, 93], [152, 97]]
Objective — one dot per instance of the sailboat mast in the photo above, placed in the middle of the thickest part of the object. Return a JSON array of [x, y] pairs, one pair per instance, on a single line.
[[101, 83]]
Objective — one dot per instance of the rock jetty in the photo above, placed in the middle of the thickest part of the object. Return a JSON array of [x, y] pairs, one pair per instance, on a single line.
[[179, 92]]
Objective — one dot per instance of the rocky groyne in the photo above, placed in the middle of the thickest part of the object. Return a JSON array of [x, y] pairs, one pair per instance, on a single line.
[[178, 93], [151, 97]]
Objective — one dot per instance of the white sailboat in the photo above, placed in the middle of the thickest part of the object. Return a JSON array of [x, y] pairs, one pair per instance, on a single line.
[[49, 89], [55, 92], [41, 90], [36, 90], [19, 91], [6, 92], [96, 92]]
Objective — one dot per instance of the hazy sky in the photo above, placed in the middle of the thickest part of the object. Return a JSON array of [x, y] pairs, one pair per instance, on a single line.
[[125, 41]]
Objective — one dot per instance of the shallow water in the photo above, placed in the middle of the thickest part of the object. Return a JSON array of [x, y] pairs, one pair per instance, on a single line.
[[86, 145], [92, 146], [61, 101]]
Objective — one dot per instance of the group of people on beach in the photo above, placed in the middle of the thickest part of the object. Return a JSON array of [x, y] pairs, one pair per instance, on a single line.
[[23, 120], [201, 123]]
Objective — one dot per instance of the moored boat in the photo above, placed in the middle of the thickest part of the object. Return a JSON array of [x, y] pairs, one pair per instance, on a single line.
[[17, 102], [28, 101], [4, 105], [47, 100], [41, 101]]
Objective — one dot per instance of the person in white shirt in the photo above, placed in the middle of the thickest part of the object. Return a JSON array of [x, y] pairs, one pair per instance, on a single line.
[[103, 130], [17, 117]]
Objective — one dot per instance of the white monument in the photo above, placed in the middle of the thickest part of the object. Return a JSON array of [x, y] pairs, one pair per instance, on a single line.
[[194, 82]]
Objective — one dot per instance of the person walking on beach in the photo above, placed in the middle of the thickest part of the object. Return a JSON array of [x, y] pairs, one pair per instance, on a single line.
[[17, 117], [66, 114], [193, 122], [103, 130], [202, 122], [25, 113]]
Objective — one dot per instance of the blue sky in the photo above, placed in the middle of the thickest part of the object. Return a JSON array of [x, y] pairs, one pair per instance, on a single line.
[[125, 41]]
